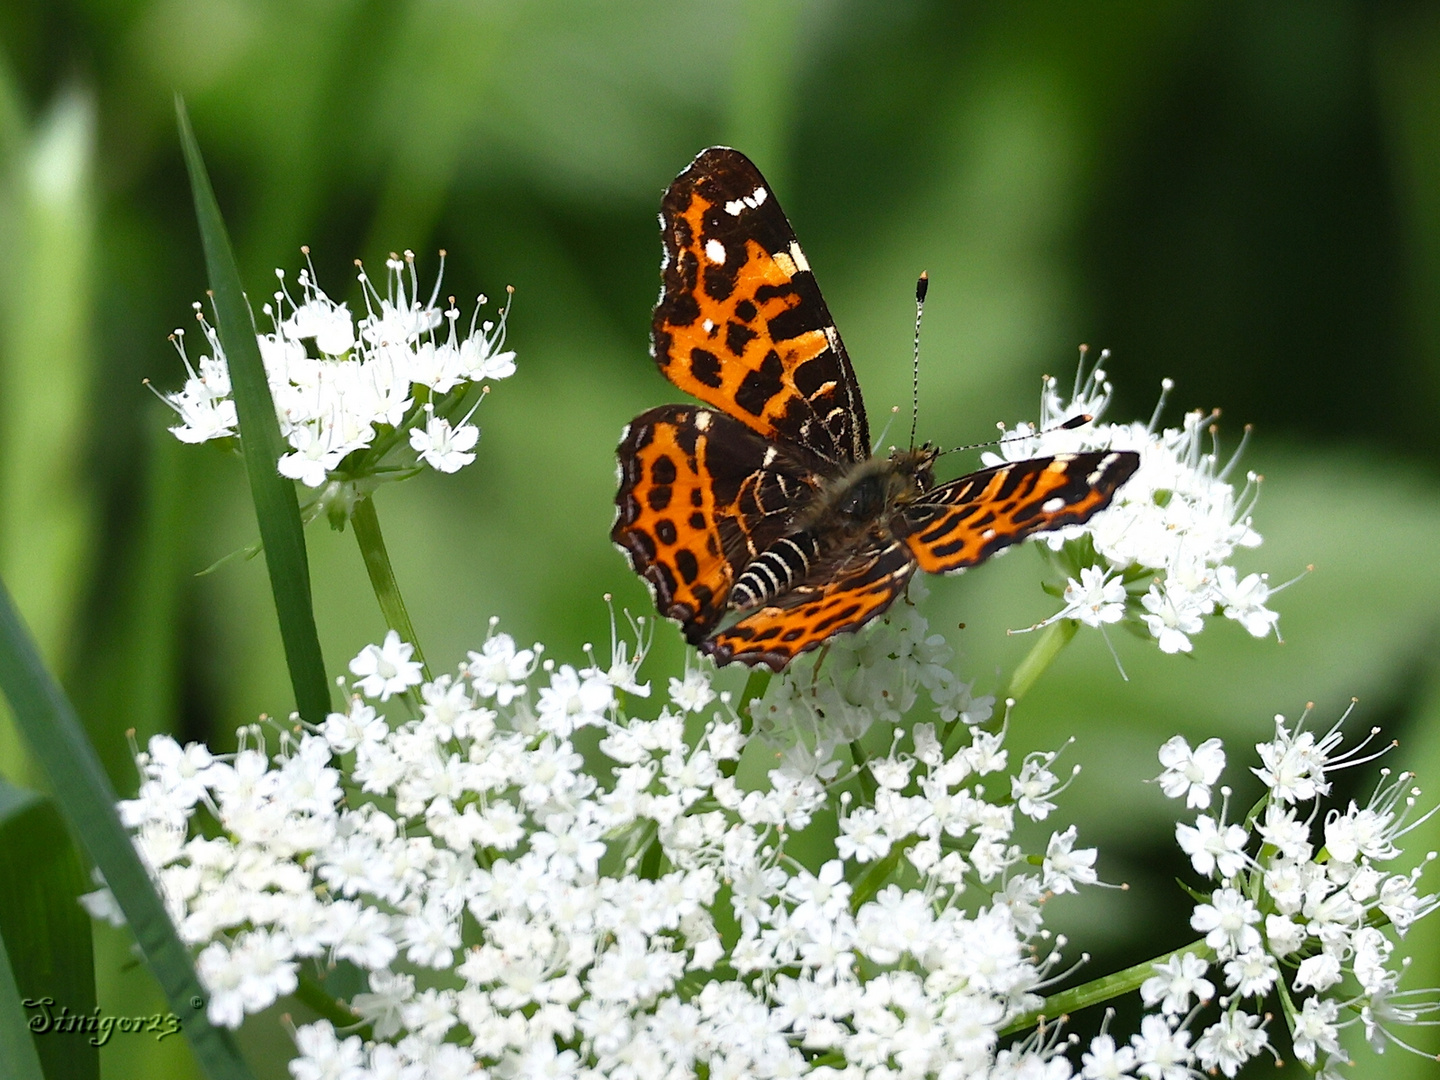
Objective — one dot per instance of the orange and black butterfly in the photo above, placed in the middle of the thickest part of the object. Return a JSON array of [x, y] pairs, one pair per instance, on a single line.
[[762, 523]]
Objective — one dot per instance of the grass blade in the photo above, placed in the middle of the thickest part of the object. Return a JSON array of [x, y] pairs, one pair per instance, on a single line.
[[276, 506], [17, 1048], [53, 961], [57, 741]]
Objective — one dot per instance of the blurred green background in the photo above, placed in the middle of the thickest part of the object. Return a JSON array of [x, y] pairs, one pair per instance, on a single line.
[[1244, 196]]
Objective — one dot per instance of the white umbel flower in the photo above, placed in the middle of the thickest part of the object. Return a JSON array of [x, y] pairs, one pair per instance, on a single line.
[[344, 386], [1161, 552]]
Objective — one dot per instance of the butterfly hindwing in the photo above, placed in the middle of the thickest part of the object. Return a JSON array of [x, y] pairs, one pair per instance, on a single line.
[[699, 496], [842, 596], [961, 523], [741, 323]]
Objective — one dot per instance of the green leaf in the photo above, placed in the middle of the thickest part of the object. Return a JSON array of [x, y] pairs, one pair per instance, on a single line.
[[276, 507], [17, 1048], [53, 961], [52, 730]]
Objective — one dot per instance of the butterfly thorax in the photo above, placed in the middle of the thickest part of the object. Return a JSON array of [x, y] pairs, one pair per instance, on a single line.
[[863, 501]]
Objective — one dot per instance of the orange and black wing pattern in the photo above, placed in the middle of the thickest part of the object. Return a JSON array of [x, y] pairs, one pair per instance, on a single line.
[[960, 523], [741, 323], [842, 596], [700, 496]]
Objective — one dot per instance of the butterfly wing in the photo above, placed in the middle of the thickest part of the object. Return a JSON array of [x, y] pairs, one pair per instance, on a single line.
[[700, 495], [741, 323], [843, 595], [960, 523]]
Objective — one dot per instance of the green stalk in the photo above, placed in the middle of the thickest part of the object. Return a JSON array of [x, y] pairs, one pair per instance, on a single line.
[[1105, 988], [382, 575], [311, 993], [754, 689], [1053, 639], [879, 873]]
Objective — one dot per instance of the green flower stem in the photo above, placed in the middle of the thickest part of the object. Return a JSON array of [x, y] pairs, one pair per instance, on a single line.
[[755, 687], [1105, 988], [310, 993], [1053, 639], [879, 873], [382, 575], [868, 787]]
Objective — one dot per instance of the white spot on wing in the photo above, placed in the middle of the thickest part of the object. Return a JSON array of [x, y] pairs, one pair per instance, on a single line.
[[770, 456], [785, 263], [988, 534], [798, 256], [1053, 506], [1102, 468], [715, 252], [702, 420]]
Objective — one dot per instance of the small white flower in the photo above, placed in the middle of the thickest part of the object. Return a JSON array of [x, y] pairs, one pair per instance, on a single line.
[[1096, 599], [1283, 934], [442, 447], [1105, 1061], [1191, 773], [1252, 974], [1315, 1029], [1320, 972], [386, 669], [1294, 763], [1228, 922], [1175, 982], [1064, 867], [1212, 848], [1160, 1053], [1172, 617], [499, 670], [570, 701], [693, 693], [1244, 600], [1231, 1041]]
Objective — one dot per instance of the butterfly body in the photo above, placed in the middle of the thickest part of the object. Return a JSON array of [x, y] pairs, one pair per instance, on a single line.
[[761, 521]]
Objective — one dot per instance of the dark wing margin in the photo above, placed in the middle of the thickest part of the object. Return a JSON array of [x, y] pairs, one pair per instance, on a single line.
[[741, 323], [699, 496], [965, 521], [839, 599]]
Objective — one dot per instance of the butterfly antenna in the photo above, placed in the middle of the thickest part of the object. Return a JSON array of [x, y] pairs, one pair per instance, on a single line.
[[922, 286], [1065, 425]]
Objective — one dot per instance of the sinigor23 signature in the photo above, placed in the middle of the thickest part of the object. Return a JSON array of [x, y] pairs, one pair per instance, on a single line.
[[47, 1019]]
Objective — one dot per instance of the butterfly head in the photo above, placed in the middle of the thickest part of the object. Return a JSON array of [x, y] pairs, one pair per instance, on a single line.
[[913, 469]]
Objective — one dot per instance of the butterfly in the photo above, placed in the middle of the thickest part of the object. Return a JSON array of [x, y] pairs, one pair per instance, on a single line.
[[760, 520]]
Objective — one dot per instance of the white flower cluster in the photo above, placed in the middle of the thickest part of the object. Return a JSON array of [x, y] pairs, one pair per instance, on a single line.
[[865, 679], [1161, 551], [1289, 912], [345, 389], [645, 906]]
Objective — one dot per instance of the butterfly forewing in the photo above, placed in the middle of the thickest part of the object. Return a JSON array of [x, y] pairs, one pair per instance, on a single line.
[[741, 323], [961, 523]]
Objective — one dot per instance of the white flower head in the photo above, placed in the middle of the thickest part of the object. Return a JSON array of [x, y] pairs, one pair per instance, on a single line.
[[386, 669], [1191, 773], [344, 390], [1176, 521]]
